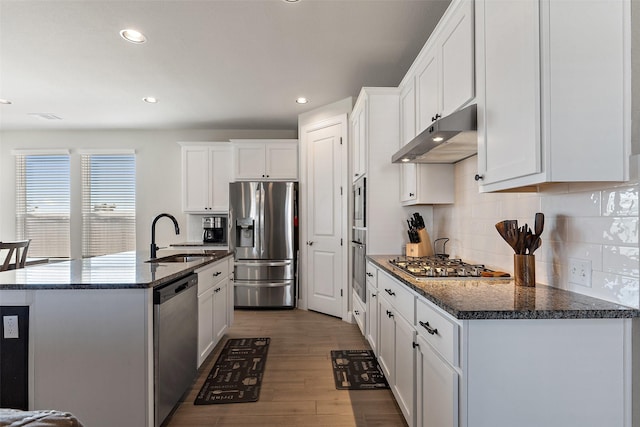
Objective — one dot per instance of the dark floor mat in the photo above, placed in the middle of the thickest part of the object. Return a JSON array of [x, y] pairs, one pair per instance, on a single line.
[[236, 376], [357, 370]]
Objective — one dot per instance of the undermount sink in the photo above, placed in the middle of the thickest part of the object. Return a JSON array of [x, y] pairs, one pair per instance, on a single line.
[[179, 258]]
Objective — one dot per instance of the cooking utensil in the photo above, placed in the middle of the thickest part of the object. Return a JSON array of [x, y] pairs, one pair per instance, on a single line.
[[536, 244], [523, 240], [539, 224]]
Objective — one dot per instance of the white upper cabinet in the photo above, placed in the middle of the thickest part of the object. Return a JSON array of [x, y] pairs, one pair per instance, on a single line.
[[420, 183], [445, 68], [374, 127], [553, 92], [457, 63], [359, 136], [265, 159], [206, 173]]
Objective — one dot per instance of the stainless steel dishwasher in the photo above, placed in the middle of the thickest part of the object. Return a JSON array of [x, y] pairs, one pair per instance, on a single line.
[[175, 342]]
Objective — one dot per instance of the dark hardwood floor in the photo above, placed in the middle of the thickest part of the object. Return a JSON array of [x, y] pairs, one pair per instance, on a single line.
[[298, 387]]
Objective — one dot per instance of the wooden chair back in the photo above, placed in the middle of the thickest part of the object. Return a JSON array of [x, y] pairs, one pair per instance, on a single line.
[[19, 248]]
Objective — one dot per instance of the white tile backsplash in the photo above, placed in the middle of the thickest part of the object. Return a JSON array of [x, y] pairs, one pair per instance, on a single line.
[[591, 221]]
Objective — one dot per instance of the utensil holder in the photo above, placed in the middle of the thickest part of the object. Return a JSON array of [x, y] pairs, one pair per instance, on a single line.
[[524, 270], [425, 242]]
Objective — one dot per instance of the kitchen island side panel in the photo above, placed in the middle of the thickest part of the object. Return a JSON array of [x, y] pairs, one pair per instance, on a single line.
[[553, 373], [93, 355]]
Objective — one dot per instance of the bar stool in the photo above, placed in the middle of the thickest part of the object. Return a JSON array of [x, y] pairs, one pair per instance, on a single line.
[[19, 248]]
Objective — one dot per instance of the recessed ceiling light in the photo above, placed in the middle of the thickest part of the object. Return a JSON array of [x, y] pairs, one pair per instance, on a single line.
[[302, 100], [133, 36], [291, 1], [150, 99], [405, 160], [5, 101]]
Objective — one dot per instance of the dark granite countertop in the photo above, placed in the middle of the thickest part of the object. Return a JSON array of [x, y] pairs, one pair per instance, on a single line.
[[126, 270], [501, 299]]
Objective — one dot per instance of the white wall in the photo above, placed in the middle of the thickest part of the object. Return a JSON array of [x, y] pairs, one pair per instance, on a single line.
[[158, 171], [596, 222]]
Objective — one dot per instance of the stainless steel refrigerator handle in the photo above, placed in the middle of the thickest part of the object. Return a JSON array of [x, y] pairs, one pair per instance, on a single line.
[[261, 225], [265, 264], [262, 284]]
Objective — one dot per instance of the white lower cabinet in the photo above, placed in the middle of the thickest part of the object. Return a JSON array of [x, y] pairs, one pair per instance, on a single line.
[[446, 372], [213, 306], [397, 335], [404, 378], [372, 319], [436, 388], [359, 313]]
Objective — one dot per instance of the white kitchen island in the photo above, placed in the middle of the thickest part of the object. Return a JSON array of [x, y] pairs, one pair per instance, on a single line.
[[91, 334]]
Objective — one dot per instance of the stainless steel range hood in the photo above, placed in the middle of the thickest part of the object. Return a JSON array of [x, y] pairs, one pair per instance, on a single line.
[[448, 140]]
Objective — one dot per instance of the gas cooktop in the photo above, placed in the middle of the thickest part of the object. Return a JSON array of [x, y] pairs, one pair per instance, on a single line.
[[440, 267]]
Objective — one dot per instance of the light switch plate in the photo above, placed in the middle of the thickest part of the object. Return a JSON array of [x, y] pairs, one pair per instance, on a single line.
[[10, 326]]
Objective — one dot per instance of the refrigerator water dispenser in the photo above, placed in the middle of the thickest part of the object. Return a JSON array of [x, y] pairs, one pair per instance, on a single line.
[[245, 232]]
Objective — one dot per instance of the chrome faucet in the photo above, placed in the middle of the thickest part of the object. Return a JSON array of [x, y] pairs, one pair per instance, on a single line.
[[154, 248]]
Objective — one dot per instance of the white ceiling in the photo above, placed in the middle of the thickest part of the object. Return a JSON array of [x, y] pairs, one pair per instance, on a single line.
[[213, 64]]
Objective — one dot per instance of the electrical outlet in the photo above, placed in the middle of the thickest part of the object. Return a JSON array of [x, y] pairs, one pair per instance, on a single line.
[[580, 272], [10, 324]]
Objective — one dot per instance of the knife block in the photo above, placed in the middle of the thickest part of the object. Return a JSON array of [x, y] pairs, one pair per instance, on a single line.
[[421, 249]]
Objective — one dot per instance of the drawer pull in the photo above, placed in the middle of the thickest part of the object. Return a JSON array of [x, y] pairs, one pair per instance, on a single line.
[[390, 292], [432, 331], [374, 295], [389, 314], [369, 274], [217, 273], [415, 345]]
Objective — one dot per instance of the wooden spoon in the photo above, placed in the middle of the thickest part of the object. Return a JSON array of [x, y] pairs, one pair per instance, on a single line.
[[539, 223], [536, 244]]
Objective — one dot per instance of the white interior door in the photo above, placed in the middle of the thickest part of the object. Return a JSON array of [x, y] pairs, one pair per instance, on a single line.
[[326, 213]]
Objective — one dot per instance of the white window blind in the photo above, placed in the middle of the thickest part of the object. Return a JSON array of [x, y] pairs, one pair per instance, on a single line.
[[108, 203], [43, 204]]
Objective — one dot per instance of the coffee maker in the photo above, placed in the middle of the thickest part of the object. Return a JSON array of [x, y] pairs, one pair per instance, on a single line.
[[214, 229]]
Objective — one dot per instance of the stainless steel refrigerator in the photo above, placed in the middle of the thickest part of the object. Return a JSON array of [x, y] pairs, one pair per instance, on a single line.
[[263, 238]]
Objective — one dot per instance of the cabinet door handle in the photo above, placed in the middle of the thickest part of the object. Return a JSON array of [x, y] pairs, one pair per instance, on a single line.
[[390, 292], [374, 295], [478, 177], [217, 273], [415, 345], [356, 174], [356, 312], [310, 243], [216, 290], [436, 117], [411, 194], [369, 274], [432, 331]]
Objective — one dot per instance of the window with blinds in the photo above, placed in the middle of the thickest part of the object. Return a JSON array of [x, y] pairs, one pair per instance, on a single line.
[[43, 204], [108, 203]]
